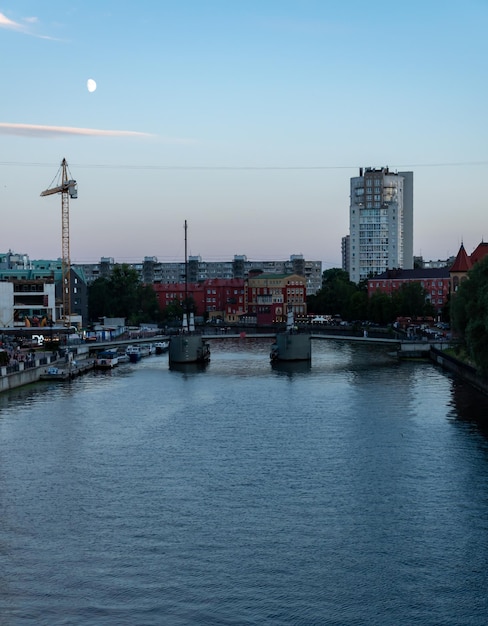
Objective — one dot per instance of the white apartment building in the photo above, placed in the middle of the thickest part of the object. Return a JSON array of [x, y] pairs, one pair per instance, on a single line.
[[380, 222]]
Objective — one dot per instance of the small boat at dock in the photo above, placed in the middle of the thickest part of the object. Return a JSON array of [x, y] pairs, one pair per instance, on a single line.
[[122, 357], [107, 359], [68, 372], [135, 353], [161, 347]]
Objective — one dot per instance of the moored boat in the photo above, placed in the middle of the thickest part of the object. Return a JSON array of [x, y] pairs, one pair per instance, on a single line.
[[123, 357], [161, 347], [107, 359], [134, 353]]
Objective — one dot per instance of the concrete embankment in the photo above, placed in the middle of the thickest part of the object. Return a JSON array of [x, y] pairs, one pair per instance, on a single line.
[[25, 373], [466, 372]]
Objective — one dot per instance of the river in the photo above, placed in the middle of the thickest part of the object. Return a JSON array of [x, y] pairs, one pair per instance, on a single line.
[[350, 492]]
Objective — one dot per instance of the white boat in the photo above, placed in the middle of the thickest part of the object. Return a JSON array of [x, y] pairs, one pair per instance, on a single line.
[[123, 357], [135, 353], [161, 346], [107, 359]]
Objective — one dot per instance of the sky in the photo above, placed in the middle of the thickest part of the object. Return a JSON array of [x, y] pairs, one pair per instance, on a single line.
[[247, 118]]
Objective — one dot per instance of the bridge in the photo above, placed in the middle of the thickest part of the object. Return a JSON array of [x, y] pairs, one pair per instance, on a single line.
[[405, 348]]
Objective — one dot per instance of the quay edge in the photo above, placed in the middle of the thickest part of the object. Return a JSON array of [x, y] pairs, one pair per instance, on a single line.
[[28, 375], [464, 371]]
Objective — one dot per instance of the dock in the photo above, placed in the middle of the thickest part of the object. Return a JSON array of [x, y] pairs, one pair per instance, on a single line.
[[67, 372]]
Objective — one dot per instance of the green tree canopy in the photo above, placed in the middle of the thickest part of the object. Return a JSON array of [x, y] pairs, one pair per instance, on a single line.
[[469, 314], [340, 295], [411, 301], [123, 295], [358, 305], [335, 295], [381, 308]]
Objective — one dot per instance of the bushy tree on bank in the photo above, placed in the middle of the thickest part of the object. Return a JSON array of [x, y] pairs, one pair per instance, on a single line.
[[411, 301], [339, 295], [173, 313], [469, 314], [122, 295], [336, 295]]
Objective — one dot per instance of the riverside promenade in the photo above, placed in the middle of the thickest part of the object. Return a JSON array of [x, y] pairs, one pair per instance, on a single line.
[[31, 370]]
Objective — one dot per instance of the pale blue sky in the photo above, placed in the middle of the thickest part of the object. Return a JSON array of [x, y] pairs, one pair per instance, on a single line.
[[245, 117]]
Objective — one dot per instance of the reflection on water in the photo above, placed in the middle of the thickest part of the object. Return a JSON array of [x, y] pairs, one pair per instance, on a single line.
[[291, 368], [469, 406], [189, 368], [348, 490]]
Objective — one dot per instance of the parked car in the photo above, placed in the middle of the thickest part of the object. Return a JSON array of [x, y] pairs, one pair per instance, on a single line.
[[320, 319]]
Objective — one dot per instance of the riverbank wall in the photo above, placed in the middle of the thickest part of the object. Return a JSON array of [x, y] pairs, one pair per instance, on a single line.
[[13, 376], [25, 373], [466, 372]]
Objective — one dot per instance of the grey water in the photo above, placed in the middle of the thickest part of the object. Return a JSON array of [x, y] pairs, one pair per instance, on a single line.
[[350, 492]]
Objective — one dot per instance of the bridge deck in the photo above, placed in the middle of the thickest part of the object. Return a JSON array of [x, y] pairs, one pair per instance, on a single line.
[[410, 347]]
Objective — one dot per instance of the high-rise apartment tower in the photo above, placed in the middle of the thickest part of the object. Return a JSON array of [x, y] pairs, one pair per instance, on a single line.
[[380, 222]]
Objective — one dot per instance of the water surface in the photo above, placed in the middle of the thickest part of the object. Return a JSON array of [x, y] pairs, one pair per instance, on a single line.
[[352, 491]]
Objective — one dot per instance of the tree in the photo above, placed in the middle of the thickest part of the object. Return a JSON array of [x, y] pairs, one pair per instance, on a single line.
[[335, 295], [469, 314], [99, 299], [411, 301], [358, 305], [381, 308], [122, 295], [125, 293], [173, 311]]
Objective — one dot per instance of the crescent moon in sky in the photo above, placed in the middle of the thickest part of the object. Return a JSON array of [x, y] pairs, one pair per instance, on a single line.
[[91, 85]]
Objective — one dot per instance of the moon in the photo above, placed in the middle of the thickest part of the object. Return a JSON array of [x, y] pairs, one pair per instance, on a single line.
[[91, 85]]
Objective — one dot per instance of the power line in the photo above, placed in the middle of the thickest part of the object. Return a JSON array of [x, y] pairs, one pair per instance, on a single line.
[[235, 167]]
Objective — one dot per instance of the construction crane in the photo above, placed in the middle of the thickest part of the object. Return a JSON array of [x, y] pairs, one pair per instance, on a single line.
[[67, 188]]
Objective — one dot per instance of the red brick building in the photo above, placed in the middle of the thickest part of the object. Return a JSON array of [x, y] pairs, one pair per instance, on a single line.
[[438, 282], [218, 298], [225, 298], [167, 293], [464, 262], [435, 281], [270, 295], [264, 298]]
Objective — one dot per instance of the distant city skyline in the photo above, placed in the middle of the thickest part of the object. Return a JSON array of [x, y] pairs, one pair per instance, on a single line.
[[247, 119]]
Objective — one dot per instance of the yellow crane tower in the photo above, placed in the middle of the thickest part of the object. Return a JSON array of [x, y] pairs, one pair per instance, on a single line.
[[68, 189]]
